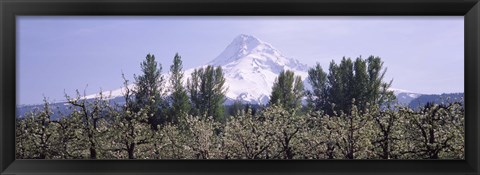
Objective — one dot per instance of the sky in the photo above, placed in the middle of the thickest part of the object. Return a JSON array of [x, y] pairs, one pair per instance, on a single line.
[[61, 54]]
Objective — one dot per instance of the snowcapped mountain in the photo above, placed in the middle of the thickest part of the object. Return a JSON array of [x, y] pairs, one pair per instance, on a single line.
[[251, 66]]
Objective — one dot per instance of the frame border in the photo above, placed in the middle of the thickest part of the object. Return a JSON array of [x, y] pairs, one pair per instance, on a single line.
[[9, 9]]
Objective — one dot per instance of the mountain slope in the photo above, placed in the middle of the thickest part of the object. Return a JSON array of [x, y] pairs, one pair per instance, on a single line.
[[404, 97], [437, 99], [250, 67]]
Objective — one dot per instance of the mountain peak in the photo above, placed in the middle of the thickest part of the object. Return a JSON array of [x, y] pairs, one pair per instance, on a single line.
[[244, 38], [241, 46], [251, 65]]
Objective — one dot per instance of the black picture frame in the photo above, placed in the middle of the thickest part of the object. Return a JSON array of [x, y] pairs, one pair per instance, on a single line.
[[9, 9]]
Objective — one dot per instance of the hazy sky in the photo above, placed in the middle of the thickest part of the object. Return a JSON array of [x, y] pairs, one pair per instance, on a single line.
[[57, 54]]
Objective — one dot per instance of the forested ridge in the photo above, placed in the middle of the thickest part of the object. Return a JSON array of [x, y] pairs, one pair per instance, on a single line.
[[347, 114]]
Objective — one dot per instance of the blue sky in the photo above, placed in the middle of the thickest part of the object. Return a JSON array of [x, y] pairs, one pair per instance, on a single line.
[[57, 54]]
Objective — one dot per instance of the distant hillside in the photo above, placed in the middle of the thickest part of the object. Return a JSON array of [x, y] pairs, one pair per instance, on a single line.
[[404, 97], [59, 109], [437, 98]]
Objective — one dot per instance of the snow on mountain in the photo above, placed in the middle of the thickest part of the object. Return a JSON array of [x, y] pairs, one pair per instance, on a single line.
[[247, 47], [111, 94], [404, 97], [250, 66]]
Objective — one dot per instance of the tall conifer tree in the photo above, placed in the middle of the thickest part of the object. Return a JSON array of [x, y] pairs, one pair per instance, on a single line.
[[287, 90], [316, 97], [179, 102], [148, 90], [207, 92]]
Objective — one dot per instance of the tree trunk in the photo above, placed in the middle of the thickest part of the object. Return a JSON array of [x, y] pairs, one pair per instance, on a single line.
[[131, 151]]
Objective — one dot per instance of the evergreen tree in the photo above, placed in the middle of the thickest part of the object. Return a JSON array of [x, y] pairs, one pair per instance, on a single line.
[[179, 102], [207, 92], [334, 89], [148, 91], [316, 97], [298, 92], [287, 90], [377, 89], [193, 87], [361, 80], [347, 84]]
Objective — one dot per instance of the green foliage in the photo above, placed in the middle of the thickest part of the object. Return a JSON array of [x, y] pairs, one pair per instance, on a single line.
[[148, 91], [178, 100], [317, 97], [361, 80], [287, 90], [207, 92]]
